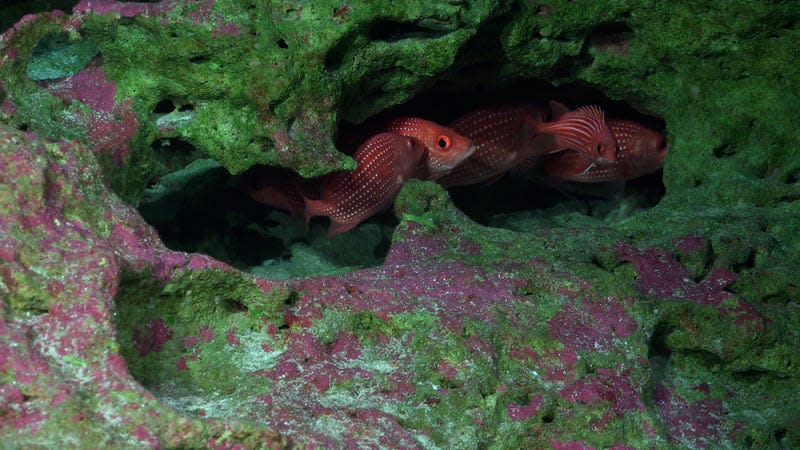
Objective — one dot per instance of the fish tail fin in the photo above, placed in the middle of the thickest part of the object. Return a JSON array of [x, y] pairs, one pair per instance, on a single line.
[[315, 208]]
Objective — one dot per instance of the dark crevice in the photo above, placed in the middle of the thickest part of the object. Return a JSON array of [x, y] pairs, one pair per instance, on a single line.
[[212, 214], [391, 31], [612, 37], [792, 176], [165, 106], [657, 347], [748, 263], [724, 151], [12, 11], [199, 59]]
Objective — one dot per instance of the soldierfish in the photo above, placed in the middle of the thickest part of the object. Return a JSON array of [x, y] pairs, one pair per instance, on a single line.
[[444, 147], [640, 150], [499, 142], [583, 130], [385, 161]]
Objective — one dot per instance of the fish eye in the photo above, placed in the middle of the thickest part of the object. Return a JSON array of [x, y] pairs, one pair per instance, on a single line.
[[443, 142], [599, 148]]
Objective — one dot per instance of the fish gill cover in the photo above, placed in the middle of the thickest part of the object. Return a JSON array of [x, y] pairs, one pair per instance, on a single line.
[[586, 323]]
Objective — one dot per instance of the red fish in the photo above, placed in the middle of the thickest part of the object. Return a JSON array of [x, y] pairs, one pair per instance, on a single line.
[[583, 130], [499, 142], [640, 150], [444, 147], [385, 161]]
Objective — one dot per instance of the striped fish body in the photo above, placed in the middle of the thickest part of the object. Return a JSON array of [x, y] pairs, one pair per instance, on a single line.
[[500, 140], [385, 161], [444, 147], [640, 150], [583, 130]]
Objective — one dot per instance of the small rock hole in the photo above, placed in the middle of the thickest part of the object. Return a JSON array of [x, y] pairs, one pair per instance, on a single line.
[[164, 107], [282, 43]]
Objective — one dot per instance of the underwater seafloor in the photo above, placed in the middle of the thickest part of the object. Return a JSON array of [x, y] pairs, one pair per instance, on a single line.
[[145, 302]]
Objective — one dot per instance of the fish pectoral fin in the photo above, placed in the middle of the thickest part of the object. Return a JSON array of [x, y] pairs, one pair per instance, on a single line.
[[493, 179], [525, 166], [338, 227]]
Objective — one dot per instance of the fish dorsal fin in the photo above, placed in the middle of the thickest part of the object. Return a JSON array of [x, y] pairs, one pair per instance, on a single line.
[[338, 227], [315, 208], [592, 111], [557, 109]]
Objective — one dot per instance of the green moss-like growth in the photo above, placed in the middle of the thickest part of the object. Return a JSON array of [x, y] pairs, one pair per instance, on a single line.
[[182, 333]]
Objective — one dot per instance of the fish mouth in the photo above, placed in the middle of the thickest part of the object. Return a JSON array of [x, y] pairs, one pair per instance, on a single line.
[[458, 158], [603, 161]]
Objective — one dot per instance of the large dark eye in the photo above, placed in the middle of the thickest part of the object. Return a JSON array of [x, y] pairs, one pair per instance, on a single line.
[[443, 142], [599, 149]]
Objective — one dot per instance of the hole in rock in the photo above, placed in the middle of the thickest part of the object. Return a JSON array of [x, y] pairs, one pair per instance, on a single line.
[[13, 10], [164, 107], [390, 31], [197, 206]]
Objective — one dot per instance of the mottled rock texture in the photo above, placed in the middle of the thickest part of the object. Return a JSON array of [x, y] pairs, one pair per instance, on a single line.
[[671, 327]]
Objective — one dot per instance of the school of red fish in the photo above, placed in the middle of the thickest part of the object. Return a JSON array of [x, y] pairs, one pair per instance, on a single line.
[[481, 146]]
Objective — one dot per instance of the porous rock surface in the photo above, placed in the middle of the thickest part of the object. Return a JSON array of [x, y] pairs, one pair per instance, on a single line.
[[675, 327]]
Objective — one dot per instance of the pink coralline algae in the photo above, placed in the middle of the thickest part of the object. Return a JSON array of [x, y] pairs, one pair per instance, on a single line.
[[592, 324], [699, 423], [65, 243], [153, 338], [660, 275], [111, 126], [607, 387], [452, 290], [522, 412]]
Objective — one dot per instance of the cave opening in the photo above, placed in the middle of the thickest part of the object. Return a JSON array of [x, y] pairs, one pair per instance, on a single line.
[[202, 208]]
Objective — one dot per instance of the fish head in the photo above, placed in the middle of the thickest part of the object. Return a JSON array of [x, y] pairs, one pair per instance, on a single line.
[[445, 147], [600, 146], [603, 148]]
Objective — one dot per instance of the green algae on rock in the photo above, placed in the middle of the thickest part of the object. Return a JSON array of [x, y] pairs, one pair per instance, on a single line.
[[671, 327]]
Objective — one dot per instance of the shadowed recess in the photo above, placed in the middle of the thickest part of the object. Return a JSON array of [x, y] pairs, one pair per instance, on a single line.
[[197, 206]]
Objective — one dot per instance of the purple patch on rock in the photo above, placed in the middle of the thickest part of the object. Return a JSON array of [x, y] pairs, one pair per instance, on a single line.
[[698, 424], [569, 445], [608, 386], [660, 275], [522, 412], [124, 9], [690, 244], [591, 325], [412, 279], [156, 334]]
